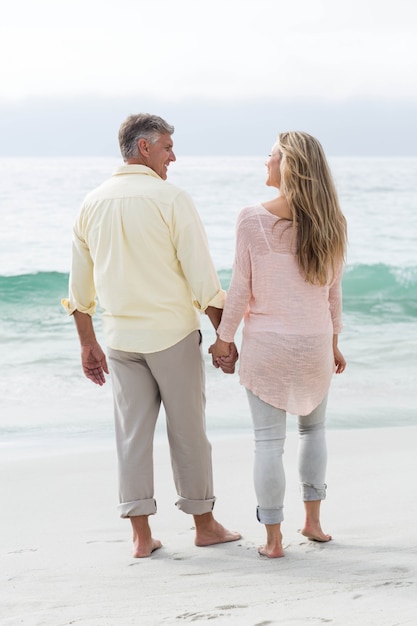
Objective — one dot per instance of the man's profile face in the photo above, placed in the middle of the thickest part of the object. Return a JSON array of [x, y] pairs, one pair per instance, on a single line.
[[160, 155]]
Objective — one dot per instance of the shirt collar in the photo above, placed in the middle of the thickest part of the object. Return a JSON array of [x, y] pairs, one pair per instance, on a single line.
[[135, 169]]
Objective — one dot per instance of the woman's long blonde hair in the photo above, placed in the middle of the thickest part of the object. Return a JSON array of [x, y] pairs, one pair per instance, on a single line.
[[307, 184]]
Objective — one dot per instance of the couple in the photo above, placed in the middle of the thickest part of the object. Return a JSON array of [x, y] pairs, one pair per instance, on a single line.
[[139, 247]]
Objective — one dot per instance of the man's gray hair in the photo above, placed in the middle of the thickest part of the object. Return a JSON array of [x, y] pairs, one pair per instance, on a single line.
[[141, 126]]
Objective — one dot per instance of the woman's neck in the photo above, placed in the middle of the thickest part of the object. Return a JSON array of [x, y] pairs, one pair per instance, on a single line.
[[279, 207]]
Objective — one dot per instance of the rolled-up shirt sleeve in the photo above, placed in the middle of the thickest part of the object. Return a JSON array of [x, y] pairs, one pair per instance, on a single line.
[[193, 253], [217, 302], [82, 293]]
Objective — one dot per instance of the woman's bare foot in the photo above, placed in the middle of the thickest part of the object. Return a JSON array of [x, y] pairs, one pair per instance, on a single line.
[[273, 548], [209, 532], [315, 533], [272, 552], [312, 528]]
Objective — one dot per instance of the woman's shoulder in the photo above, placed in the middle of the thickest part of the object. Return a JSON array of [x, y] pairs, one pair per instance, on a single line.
[[248, 219], [250, 212], [258, 213]]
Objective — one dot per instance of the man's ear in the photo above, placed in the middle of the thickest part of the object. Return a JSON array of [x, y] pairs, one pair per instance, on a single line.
[[143, 145]]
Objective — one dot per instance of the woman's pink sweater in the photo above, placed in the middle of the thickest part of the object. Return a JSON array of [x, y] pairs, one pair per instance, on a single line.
[[286, 354]]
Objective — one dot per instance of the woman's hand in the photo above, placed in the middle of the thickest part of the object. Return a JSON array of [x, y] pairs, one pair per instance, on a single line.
[[228, 363], [339, 360]]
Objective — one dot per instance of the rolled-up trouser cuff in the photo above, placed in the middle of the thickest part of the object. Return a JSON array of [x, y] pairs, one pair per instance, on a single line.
[[270, 516], [311, 493], [195, 507], [137, 507]]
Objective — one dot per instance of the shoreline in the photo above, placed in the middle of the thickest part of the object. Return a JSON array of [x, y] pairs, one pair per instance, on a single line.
[[23, 445], [66, 556]]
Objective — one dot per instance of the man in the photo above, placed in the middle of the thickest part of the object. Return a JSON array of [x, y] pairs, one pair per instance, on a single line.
[[140, 247]]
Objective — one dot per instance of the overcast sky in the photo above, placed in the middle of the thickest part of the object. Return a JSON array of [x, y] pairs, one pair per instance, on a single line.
[[229, 74]]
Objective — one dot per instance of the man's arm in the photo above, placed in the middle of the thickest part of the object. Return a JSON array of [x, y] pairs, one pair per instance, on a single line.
[[214, 315], [93, 359]]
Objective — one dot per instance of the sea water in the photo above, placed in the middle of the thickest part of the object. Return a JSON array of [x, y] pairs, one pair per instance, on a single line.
[[43, 393]]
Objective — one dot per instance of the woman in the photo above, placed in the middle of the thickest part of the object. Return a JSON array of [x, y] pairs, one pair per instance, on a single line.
[[286, 284]]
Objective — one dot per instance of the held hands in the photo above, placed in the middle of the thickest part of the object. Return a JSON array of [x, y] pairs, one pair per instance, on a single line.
[[224, 355], [94, 363]]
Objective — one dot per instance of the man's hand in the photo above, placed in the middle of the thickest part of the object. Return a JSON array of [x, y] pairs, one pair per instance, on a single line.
[[93, 359], [94, 363]]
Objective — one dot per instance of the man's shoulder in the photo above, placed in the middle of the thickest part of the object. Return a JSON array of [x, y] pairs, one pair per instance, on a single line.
[[175, 198], [161, 190], [98, 191], [171, 189]]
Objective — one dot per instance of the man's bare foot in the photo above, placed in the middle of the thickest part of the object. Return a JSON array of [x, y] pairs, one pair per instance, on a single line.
[[315, 533], [218, 535], [271, 552], [209, 532], [143, 542], [142, 551]]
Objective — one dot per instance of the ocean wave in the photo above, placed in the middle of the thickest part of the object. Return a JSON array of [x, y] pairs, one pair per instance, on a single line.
[[39, 288], [379, 291]]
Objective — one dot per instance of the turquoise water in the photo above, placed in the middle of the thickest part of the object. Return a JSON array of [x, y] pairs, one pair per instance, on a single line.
[[373, 295], [43, 393]]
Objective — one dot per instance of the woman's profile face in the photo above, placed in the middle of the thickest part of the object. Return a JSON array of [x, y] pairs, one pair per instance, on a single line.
[[273, 165]]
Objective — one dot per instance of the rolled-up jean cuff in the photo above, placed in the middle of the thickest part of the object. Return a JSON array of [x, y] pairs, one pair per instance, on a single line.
[[195, 507], [137, 507], [270, 516], [311, 493]]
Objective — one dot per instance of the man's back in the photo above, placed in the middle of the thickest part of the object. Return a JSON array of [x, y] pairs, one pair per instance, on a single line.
[[149, 254]]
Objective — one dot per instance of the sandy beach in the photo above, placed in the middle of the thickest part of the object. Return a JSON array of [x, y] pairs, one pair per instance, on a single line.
[[66, 556]]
